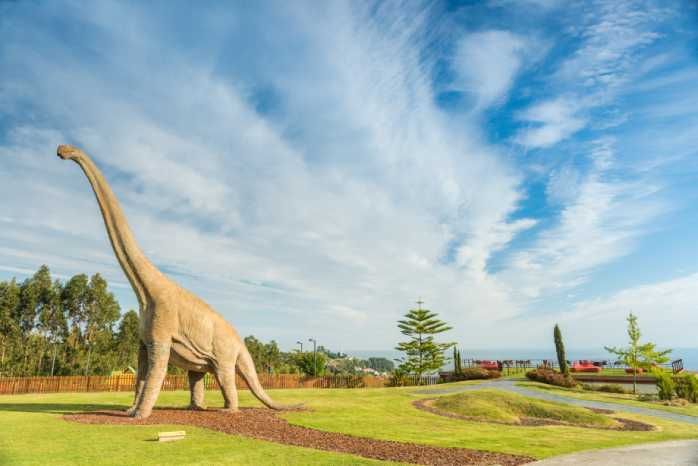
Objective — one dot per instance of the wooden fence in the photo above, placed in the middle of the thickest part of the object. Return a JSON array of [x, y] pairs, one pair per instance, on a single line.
[[125, 383]]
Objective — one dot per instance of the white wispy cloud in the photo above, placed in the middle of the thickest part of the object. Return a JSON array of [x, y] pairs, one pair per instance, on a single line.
[[551, 122], [612, 37], [337, 227], [487, 63], [601, 214], [314, 186], [601, 219], [612, 33]]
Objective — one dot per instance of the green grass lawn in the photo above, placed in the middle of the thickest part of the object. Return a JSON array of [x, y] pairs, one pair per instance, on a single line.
[[511, 408], [33, 432], [627, 399]]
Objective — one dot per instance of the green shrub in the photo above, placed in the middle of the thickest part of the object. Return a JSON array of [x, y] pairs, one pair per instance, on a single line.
[[665, 386], [551, 377], [687, 388], [473, 373], [398, 378], [607, 388]]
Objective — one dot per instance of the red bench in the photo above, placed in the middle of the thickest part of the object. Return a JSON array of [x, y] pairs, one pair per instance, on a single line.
[[489, 365], [585, 366]]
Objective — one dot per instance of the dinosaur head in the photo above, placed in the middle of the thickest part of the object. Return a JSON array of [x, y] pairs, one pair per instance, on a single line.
[[68, 152]]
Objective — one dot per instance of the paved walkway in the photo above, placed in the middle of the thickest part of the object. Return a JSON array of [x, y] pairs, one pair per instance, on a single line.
[[674, 453], [510, 385]]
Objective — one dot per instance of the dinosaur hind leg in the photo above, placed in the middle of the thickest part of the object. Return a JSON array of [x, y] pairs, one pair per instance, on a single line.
[[226, 379], [196, 387]]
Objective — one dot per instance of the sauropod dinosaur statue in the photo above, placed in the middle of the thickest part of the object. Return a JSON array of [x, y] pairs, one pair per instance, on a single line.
[[175, 325]]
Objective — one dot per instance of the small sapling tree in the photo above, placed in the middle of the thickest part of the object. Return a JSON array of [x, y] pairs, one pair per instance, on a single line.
[[637, 355]]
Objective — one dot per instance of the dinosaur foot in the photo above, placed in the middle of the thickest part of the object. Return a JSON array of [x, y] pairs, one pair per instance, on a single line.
[[229, 410], [139, 414]]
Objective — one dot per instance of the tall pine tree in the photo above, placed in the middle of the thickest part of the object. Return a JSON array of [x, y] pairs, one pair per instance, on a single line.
[[422, 353]]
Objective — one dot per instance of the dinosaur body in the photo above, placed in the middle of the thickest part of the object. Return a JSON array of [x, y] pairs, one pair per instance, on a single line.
[[176, 326]]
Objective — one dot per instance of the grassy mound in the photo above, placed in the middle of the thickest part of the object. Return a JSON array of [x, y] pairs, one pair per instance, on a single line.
[[510, 408]]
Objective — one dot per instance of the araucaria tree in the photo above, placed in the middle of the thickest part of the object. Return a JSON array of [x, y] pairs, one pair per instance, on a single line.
[[423, 353], [638, 355], [560, 350]]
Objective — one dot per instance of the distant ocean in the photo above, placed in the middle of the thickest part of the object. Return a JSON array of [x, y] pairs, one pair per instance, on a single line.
[[689, 355]]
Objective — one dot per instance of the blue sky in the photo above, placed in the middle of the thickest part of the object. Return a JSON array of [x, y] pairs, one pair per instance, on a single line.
[[311, 169]]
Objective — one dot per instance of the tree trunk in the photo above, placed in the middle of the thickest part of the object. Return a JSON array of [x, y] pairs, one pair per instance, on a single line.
[[38, 365], [87, 367], [53, 361], [24, 362], [419, 372]]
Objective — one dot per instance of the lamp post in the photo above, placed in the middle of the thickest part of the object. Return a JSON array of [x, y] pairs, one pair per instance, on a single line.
[[300, 343], [314, 355]]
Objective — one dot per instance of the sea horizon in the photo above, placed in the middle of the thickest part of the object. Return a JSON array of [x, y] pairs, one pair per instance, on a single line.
[[688, 355]]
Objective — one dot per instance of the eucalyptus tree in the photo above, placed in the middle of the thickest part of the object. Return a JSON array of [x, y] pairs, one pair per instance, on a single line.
[[32, 296], [9, 327], [75, 298], [127, 340], [102, 312], [52, 319]]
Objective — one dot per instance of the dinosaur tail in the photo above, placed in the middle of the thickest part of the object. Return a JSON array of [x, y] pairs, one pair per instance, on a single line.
[[245, 366]]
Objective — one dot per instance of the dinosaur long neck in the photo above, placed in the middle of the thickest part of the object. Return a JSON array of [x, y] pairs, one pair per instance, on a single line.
[[141, 273]]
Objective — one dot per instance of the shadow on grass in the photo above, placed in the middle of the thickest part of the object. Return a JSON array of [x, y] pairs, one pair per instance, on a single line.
[[58, 408]]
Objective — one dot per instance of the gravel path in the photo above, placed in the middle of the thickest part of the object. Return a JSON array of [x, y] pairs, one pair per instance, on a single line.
[[265, 424], [674, 453], [510, 385]]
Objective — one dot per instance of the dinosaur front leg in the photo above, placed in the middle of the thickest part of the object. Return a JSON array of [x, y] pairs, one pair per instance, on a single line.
[[226, 379], [158, 356], [196, 387], [140, 377]]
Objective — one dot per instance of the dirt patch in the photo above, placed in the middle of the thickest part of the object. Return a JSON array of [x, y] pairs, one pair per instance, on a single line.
[[265, 424], [601, 411], [629, 424], [625, 424]]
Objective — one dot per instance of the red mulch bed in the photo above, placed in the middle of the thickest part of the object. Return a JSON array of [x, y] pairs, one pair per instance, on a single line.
[[625, 424], [265, 424]]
